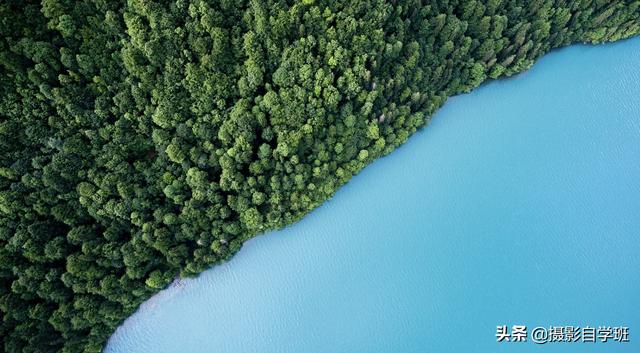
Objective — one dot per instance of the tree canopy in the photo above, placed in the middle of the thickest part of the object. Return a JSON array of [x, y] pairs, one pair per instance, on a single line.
[[145, 140]]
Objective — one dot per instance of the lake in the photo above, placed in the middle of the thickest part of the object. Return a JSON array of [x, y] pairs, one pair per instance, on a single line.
[[518, 205]]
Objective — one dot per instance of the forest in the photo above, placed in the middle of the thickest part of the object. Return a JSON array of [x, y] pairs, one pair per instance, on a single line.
[[143, 141]]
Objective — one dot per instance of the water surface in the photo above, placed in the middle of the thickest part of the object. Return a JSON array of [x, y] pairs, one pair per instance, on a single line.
[[519, 204]]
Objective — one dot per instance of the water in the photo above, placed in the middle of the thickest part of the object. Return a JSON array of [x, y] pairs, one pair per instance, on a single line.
[[519, 204]]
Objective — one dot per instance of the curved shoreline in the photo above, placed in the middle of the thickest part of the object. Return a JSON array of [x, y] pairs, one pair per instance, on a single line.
[[243, 264]]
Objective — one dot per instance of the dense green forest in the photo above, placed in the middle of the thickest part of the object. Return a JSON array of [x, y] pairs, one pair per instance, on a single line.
[[144, 140]]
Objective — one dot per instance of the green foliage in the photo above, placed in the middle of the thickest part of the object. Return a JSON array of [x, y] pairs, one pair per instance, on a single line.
[[141, 141]]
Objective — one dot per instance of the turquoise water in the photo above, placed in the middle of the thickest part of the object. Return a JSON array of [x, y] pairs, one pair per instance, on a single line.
[[519, 204]]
